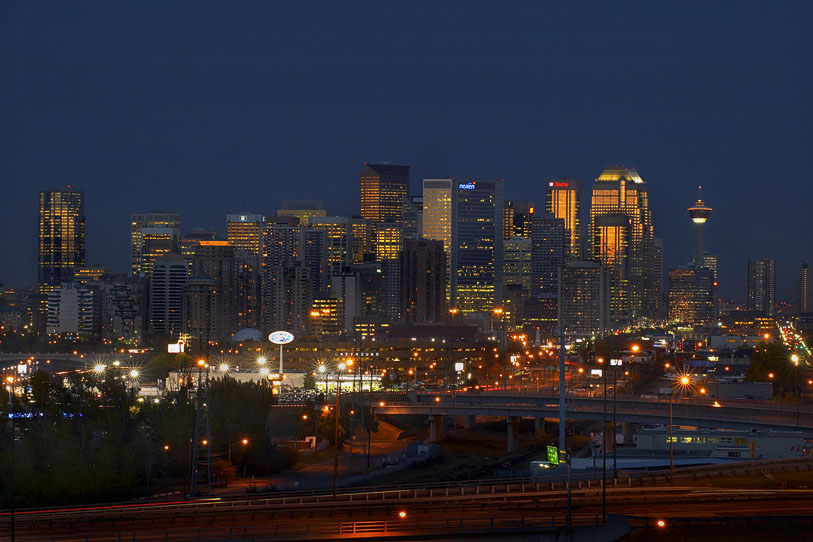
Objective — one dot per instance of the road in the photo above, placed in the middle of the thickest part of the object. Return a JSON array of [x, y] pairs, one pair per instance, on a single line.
[[443, 511]]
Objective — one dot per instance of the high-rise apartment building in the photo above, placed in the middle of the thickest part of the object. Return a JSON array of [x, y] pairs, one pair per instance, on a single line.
[[383, 189], [169, 274], [584, 294], [246, 289], [214, 260], [423, 281], [287, 296], [72, 310], [804, 307], [151, 236], [203, 309], [762, 286], [244, 231], [620, 192], [657, 277], [61, 237], [691, 295], [563, 199], [338, 241], [549, 249]]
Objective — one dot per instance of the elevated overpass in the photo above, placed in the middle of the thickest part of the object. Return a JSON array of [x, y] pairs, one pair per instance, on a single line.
[[739, 415]]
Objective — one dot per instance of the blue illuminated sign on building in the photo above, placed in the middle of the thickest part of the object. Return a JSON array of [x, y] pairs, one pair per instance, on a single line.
[[466, 186]]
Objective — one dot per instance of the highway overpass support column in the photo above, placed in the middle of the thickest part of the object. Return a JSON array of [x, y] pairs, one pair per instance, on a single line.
[[626, 432], [435, 428], [539, 425], [469, 421], [512, 424]]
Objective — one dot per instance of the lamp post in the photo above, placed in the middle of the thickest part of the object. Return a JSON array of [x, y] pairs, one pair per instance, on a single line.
[[604, 446], [341, 367], [498, 314], [683, 382], [615, 363], [10, 380]]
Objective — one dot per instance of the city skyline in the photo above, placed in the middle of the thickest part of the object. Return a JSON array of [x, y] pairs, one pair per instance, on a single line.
[[209, 148]]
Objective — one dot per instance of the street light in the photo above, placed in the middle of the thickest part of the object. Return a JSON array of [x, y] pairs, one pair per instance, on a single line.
[[341, 367], [683, 382]]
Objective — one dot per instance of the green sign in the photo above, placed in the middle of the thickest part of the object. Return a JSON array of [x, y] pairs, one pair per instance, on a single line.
[[553, 455]]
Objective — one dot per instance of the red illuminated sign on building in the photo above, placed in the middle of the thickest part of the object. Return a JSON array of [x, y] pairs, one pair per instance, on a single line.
[[559, 185]]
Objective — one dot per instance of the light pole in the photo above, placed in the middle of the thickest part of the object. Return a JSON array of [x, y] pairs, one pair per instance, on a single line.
[[10, 380], [604, 446], [341, 367], [681, 385]]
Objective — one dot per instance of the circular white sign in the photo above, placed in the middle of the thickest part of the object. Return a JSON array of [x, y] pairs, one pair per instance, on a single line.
[[280, 337]]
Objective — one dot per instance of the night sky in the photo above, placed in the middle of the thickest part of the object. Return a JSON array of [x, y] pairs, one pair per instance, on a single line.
[[209, 108]]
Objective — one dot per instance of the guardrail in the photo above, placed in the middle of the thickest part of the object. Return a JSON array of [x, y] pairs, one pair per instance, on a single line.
[[326, 530]]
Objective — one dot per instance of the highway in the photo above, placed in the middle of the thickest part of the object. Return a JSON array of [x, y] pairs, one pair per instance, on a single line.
[[475, 508]]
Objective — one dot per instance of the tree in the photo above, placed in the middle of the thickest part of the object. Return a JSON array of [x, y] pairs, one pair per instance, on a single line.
[[772, 358]]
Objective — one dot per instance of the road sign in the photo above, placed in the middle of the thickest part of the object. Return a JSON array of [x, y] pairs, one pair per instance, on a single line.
[[553, 455]]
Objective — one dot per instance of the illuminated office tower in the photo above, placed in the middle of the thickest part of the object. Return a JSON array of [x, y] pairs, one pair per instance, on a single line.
[[620, 191], [477, 246], [691, 295], [549, 247], [389, 240], [61, 237], [803, 295], [383, 189], [190, 241], [563, 199], [361, 238], [302, 210], [339, 245], [517, 263], [611, 249], [523, 217], [439, 198], [507, 219], [151, 236], [762, 286], [244, 231], [169, 274], [584, 299], [423, 281]]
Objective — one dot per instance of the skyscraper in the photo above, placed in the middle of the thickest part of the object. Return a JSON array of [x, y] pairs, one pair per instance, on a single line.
[[549, 248], [803, 295], [563, 199], [244, 231], [169, 274], [657, 276], [620, 191], [423, 281], [151, 236], [611, 248], [439, 198], [302, 209], [61, 236], [762, 286], [383, 189], [477, 246], [583, 304], [691, 295]]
